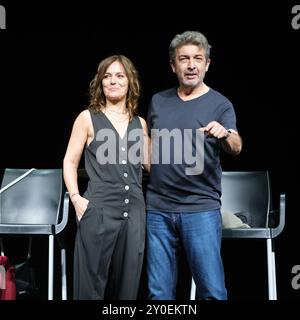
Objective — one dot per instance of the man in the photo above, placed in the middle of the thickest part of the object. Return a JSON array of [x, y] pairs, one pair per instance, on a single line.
[[183, 202]]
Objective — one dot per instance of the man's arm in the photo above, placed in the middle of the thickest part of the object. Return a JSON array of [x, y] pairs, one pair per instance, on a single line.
[[232, 143], [230, 140]]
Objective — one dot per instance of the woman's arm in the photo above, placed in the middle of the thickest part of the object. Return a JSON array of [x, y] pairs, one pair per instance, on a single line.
[[78, 139], [146, 146]]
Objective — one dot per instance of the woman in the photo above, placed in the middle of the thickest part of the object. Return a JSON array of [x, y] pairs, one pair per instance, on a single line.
[[109, 243]]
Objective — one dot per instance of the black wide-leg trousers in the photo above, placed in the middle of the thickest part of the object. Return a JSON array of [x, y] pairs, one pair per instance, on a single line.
[[108, 253]]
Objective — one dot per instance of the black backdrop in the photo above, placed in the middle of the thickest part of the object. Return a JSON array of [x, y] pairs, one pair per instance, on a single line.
[[48, 57]]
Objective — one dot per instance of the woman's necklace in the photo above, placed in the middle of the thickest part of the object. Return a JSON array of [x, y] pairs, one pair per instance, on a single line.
[[117, 112], [117, 116]]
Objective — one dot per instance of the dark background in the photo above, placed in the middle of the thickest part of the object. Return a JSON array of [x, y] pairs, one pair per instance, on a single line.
[[49, 54]]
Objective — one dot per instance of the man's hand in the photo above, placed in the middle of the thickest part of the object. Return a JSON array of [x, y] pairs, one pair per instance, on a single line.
[[215, 129]]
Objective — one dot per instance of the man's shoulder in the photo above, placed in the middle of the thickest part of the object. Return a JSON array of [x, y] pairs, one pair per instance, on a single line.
[[218, 96], [169, 93]]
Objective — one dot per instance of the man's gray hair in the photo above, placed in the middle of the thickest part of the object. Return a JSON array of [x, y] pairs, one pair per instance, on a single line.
[[189, 37]]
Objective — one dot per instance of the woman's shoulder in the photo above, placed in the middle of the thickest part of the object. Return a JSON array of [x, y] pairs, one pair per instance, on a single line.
[[141, 119], [143, 122], [84, 118], [85, 114]]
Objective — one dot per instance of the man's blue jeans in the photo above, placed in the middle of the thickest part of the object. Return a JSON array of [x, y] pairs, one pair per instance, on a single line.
[[200, 233]]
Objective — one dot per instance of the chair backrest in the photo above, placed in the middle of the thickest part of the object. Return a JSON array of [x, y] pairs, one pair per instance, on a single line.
[[247, 194], [35, 199]]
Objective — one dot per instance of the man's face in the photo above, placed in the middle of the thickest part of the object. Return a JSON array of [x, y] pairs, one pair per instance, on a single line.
[[190, 65]]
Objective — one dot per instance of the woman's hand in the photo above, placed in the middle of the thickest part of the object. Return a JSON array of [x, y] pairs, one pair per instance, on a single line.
[[80, 204]]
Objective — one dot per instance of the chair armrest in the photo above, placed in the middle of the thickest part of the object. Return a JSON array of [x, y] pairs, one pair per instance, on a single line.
[[276, 231], [59, 227]]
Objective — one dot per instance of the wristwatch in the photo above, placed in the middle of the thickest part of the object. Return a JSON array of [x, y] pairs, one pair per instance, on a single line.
[[228, 134]]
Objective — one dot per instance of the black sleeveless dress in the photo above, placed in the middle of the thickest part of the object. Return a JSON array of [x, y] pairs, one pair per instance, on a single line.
[[110, 237]]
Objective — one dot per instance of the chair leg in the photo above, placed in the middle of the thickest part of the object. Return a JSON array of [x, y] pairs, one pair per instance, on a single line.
[[50, 267], [63, 274], [193, 290], [272, 287], [274, 276]]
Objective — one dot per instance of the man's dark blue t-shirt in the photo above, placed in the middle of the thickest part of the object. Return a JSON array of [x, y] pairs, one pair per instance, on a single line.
[[174, 186]]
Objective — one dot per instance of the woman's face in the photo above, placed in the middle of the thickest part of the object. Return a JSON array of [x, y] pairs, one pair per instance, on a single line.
[[115, 82]]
